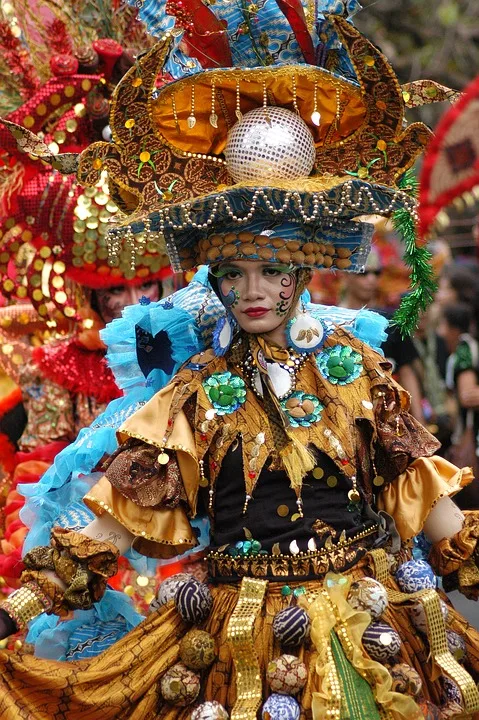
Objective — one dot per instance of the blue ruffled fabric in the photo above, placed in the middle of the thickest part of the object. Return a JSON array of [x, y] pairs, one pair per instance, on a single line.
[[146, 347]]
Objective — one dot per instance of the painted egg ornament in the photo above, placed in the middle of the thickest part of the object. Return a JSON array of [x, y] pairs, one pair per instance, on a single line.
[[451, 690], [418, 616], [381, 641], [286, 675], [406, 680], [167, 589], [211, 710], [456, 644], [179, 685], [197, 650], [193, 601], [280, 707], [291, 626], [415, 575], [369, 595]]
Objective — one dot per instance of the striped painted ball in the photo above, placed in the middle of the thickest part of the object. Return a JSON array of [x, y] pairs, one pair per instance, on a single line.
[[286, 675], [193, 601], [280, 707], [179, 685], [381, 641], [291, 626], [168, 589], [415, 575], [211, 710]]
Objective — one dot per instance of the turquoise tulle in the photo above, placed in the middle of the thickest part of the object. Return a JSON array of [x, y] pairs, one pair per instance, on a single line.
[[146, 347]]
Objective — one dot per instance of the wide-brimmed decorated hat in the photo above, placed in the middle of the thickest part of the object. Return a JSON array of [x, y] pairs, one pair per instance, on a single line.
[[280, 128], [52, 229]]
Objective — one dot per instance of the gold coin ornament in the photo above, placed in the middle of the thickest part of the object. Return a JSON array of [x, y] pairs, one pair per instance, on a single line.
[[163, 458]]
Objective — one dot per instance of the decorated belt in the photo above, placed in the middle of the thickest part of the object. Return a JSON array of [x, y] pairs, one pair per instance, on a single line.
[[333, 557]]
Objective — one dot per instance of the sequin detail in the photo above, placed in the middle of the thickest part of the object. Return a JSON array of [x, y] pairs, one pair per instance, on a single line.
[[302, 409], [225, 391], [340, 364]]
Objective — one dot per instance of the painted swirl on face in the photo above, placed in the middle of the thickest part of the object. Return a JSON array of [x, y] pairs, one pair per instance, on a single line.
[[286, 295], [230, 299]]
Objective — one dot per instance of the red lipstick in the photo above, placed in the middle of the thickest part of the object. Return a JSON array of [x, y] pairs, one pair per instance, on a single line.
[[256, 312]]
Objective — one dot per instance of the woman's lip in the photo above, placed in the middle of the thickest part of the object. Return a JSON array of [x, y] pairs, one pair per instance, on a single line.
[[256, 312]]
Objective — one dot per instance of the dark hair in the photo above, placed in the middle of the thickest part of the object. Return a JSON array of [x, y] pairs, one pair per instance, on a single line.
[[462, 279], [459, 316]]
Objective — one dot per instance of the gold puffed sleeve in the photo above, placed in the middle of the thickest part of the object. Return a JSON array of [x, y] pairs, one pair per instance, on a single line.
[[410, 497], [160, 532]]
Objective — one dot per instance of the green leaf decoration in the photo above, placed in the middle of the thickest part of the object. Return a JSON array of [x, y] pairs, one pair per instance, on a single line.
[[418, 259]]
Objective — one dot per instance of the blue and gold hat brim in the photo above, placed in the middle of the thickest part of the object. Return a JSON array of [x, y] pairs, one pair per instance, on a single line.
[[319, 211]]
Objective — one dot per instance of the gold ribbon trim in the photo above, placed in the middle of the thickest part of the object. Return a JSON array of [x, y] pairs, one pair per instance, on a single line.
[[249, 691], [436, 632]]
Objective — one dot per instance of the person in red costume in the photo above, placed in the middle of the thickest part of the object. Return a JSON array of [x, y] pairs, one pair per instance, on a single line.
[[53, 259]]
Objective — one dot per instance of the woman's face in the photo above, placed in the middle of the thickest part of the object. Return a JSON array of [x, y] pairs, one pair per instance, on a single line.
[[111, 301], [258, 294]]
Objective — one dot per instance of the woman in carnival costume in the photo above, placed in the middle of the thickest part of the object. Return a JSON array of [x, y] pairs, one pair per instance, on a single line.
[[54, 259], [286, 429]]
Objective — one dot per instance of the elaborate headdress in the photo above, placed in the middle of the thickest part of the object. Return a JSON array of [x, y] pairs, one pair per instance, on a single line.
[[51, 228], [281, 127]]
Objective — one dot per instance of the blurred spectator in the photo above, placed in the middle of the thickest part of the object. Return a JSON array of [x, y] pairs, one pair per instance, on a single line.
[[462, 378], [457, 284], [361, 290], [439, 408]]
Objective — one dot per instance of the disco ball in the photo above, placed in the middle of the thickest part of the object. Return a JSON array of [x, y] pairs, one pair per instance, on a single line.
[[269, 142]]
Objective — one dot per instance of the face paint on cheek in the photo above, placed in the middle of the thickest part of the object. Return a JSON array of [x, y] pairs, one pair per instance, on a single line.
[[231, 299], [286, 295]]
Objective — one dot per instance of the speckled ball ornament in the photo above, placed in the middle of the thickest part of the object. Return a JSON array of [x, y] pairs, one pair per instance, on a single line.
[[368, 594], [418, 616], [180, 686], [286, 675], [451, 691], [456, 644], [211, 710], [280, 707], [406, 680], [197, 650], [193, 601], [415, 575], [168, 589], [291, 626], [381, 641]]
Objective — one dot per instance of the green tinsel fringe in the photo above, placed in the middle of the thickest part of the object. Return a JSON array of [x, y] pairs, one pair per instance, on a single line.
[[418, 259]]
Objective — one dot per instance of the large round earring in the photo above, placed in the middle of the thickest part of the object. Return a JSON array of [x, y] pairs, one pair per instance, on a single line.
[[305, 334], [223, 334]]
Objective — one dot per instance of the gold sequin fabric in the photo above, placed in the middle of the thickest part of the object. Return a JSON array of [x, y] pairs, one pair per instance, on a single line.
[[122, 683]]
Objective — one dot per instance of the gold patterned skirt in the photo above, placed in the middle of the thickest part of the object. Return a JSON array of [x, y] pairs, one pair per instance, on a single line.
[[123, 682]]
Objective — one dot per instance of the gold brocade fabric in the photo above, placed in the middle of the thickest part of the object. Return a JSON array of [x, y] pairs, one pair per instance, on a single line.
[[122, 683], [412, 495], [456, 558], [373, 405]]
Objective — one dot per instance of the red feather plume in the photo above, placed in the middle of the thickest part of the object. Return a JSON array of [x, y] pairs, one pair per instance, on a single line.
[[294, 14], [205, 35]]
